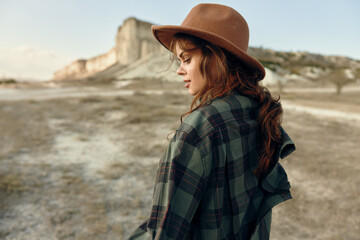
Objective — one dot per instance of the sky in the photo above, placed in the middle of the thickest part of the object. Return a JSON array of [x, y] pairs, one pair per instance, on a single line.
[[38, 37]]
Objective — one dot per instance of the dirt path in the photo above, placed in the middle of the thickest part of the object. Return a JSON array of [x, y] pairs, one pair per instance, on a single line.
[[85, 92], [346, 89], [47, 94], [341, 115]]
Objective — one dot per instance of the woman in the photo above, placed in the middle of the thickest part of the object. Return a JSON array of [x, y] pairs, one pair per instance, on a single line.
[[219, 177]]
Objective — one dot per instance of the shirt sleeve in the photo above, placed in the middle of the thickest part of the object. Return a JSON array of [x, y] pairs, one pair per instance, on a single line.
[[179, 186], [262, 230]]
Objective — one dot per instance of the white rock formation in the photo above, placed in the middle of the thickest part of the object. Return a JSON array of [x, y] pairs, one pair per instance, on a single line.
[[134, 40]]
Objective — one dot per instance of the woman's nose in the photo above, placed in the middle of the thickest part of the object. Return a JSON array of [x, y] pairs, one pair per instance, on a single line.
[[180, 71]]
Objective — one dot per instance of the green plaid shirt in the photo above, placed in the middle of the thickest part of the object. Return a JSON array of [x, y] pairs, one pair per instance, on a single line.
[[205, 187]]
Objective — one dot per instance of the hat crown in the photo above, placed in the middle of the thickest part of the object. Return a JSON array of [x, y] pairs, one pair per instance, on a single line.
[[220, 25], [220, 20]]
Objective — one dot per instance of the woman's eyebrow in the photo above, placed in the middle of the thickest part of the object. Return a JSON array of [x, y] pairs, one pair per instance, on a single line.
[[181, 55]]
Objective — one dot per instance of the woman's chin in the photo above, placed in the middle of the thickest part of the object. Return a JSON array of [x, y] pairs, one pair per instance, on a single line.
[[191, 92]]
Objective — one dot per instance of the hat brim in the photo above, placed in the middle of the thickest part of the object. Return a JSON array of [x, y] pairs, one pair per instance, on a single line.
[[165, 34]]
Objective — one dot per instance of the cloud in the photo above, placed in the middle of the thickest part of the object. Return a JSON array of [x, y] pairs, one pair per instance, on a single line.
[[31, 62], [34, 51]]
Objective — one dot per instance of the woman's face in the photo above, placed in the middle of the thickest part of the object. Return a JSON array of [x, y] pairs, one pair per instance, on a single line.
[[190, 68]]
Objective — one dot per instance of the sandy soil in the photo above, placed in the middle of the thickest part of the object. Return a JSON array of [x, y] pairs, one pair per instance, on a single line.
[[79, 161]]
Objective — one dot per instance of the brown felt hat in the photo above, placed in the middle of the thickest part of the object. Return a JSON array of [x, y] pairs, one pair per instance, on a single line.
[[218, 24]]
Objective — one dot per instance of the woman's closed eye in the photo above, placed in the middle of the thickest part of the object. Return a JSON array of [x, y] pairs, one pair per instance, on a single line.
[[187, 60]]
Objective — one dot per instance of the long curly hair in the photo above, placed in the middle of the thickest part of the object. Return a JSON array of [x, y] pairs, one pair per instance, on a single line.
[[223, 73]]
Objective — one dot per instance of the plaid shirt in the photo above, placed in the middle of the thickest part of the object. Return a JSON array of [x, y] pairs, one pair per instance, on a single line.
[[205, 187]]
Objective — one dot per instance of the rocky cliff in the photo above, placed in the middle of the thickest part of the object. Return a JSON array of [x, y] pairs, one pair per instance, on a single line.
[[133, 41], [82, 68]]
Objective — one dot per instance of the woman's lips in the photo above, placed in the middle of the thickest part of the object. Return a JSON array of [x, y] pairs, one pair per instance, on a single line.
[[187, 83]]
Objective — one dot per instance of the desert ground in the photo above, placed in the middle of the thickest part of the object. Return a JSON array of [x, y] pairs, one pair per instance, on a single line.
[[78, 161]]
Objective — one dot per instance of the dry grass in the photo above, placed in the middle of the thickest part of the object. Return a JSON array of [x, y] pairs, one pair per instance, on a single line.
[[23, 128], [12, 183], [114, 171], [324, 176], [72, 202]]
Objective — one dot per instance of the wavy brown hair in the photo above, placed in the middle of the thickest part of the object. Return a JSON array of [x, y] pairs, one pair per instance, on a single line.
[[223, 73]]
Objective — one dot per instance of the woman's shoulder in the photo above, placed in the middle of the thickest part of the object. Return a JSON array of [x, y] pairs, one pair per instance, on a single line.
[[232, 107]]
